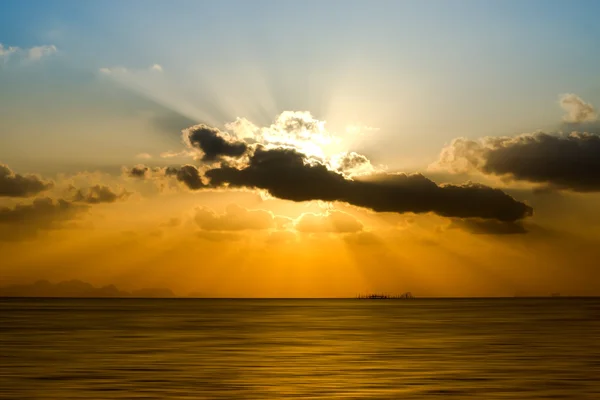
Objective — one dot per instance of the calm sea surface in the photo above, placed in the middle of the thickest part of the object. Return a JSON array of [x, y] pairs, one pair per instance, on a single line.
[[305, 349]]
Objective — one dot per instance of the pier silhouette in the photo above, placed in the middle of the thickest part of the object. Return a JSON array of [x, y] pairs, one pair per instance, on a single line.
[[374, 296]]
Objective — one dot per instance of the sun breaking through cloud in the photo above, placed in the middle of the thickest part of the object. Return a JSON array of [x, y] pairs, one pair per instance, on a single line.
[[289, 169]]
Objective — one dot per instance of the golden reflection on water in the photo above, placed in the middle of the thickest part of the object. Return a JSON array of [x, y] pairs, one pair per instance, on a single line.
[[309, 349]]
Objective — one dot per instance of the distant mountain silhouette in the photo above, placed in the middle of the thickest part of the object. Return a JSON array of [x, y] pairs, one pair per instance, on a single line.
[[76, 288]]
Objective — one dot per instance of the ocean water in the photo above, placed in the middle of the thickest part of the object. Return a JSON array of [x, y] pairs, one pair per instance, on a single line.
[[306, 349]]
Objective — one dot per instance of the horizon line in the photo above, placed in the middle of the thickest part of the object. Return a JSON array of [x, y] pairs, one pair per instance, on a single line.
[[301, 298]]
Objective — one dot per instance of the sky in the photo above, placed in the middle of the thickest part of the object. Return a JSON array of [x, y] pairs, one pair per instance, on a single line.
[[301, 149]]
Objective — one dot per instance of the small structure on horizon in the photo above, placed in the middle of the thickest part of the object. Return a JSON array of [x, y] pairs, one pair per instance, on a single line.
[[374, 296]]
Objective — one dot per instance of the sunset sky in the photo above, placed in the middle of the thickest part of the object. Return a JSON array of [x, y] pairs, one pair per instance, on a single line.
[[302, 149]]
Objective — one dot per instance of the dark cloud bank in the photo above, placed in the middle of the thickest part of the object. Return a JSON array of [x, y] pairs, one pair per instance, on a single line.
[[16, 185], [488, 227], [569, 162], [290, 175], [213, 143], [27, 220]]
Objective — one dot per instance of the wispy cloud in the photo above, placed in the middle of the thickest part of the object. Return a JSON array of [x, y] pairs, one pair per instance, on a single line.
[[99, 194], [119, 70], [7, 51], [35, 53], [157, 68]]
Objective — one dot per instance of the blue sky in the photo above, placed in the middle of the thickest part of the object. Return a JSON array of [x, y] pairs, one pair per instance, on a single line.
[[422, 72]]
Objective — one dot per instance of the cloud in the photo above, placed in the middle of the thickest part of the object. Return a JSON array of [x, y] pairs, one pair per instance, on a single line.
[[138, 171], [301, 124], [352, 163], [243, 129], [15, 185], [141, 171], [36, 53], [157, 68], [488, 227], [213, 143], [330, 222], [113, 70], [563, 161], [171, 154], [235, 218], [144, 156], [296, 129], [577, 109], [462, 156], [300, 130], [30, 54], [7, 51], [26, 220], [188, 174], [99, 194], [119, 70], [290, 175]]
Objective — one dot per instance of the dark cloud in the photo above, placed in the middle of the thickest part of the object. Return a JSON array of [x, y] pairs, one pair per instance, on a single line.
[[139, 171], [332, 221], [290, 175], [213, 143], [352, 163], [26, 220], [15, 185], [353, 160], [187, 174], [76, 288], [235, 218], [564, 161], [488, 227], [98, 194]]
